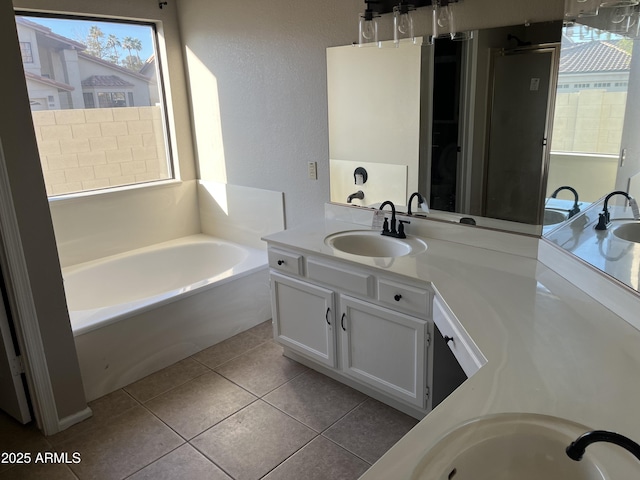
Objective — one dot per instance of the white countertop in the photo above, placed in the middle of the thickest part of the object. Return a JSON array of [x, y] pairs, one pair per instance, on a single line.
[[550, 348], [601, 248]]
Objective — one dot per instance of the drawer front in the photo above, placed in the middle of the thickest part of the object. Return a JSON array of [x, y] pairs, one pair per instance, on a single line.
[[466, 352], [404, 297], [355, 282], [284, 261]]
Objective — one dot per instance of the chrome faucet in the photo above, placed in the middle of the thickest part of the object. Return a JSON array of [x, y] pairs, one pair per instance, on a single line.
[[575, 451], [576, 207], [359, 195], [390, 231], [604, 218]]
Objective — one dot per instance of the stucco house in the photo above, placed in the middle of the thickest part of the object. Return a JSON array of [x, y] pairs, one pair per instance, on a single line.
[[60, 75]]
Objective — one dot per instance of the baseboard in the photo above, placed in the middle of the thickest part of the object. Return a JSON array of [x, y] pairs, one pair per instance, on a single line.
[[74, 418]]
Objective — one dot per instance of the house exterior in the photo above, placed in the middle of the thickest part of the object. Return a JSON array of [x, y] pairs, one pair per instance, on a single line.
[[60, 75]]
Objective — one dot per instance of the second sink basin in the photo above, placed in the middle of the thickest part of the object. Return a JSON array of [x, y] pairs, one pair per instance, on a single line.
[[628, 231], [369, 243], [508, 446], [553, 217]]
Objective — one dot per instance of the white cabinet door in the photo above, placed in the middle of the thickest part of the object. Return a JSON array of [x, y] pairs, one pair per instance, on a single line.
[[304, 318], [384, 349]]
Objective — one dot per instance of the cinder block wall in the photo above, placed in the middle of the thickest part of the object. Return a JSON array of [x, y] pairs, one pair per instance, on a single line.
[[88, 149]]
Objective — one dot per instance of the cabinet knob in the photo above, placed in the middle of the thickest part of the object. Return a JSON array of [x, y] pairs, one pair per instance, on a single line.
[[280, 262], [448, 339], [397, 297], [326, 316], [342, 321]]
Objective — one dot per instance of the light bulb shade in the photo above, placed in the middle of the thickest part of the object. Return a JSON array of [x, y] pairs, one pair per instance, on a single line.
[[581, 8], [403, 23], [442, 20], [367, 30]]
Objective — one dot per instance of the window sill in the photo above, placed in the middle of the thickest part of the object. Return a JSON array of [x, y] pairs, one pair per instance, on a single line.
[[79, 196]]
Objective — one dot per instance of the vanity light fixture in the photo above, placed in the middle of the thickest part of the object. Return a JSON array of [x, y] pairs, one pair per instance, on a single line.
[[404, 21]]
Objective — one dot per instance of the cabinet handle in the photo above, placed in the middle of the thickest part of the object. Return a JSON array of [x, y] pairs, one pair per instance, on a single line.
[[280, 262], [342, 321], [448, 339], [397, 297], [326, 316]]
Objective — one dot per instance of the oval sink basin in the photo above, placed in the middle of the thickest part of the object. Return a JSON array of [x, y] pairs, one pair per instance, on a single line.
[[369, 243], [508, 446], [628, 231], [552, 217]]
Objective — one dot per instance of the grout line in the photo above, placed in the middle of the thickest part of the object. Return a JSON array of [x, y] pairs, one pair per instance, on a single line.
[[292, 454], [154, 461]]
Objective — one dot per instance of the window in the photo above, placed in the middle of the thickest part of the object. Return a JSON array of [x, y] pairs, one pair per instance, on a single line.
[[103, 124], [25, 51], [88, 100], [111, 99]]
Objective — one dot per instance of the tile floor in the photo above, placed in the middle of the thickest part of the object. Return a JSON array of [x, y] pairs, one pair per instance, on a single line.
[[238, 410]]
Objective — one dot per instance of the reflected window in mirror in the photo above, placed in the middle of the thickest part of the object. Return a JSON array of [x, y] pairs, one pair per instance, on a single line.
[[591, 102]]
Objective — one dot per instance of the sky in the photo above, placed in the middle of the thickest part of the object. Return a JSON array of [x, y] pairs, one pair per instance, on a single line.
[[78, 29]]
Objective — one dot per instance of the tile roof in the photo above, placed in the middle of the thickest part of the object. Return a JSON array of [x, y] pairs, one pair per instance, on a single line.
[[596, 56], [105, 81]]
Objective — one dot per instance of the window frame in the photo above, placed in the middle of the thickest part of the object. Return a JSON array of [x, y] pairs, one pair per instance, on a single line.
[[168, 138]]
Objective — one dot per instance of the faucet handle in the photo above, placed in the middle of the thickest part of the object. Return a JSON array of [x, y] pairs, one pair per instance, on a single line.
[[401, 233]]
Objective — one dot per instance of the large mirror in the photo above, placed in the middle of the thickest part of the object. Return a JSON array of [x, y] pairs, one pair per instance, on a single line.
[[467, 124], [596, 146]]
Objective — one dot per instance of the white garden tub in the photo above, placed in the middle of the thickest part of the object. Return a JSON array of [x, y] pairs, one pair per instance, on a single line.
[[138, 312]]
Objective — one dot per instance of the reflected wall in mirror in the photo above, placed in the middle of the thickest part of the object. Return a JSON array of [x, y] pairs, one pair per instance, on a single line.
[[596, 147], [419, 118]]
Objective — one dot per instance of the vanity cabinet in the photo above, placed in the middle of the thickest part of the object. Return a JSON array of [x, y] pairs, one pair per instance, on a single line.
[[384, 349], [305, 318], [370, 331]]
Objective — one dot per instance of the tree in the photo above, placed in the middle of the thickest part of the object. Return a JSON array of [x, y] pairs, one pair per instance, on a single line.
[[111, 46], [95, 42]]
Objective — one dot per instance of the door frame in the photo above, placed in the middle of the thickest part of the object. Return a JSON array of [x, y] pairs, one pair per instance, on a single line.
[[25, 315]]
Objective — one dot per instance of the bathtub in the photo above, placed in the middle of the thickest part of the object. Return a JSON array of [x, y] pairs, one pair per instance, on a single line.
[[135, 313]]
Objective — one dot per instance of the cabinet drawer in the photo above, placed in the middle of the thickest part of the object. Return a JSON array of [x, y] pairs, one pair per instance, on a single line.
[[285, 261], [465, 350], [404, 297], [341, 278]]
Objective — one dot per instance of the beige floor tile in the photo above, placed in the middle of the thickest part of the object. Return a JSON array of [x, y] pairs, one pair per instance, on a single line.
[[370, 430], [104, 409], [252, 442], [184, 463], [263, 331], [128, 443], [228, 349], [199, 404], [320, 460], [262, 369], [315, 399], [39, 471], [15, 438], [166, 379]]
